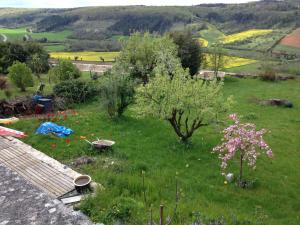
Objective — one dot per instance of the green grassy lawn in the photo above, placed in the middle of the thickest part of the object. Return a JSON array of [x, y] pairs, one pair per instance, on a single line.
[[151, 146]]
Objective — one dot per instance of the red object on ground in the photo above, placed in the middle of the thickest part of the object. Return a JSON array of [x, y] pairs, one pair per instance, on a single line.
[[12, 133], [39, 109]]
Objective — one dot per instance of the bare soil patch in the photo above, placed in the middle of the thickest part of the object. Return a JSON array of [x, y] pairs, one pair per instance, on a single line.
[[292, 39]]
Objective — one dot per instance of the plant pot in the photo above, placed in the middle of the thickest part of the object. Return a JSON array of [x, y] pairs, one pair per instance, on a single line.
[[82, 183]]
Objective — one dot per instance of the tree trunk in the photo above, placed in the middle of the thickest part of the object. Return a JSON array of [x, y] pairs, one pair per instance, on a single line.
[[175, 121], [241, 168]]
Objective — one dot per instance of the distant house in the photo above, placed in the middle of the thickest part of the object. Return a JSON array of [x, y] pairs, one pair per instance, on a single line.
[[210, 75]]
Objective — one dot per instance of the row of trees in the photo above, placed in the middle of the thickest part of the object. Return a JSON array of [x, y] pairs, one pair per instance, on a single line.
[[158, 75], [151, 70]]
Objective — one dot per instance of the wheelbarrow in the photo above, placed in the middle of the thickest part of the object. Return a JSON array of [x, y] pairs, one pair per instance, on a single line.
[[101, 144]]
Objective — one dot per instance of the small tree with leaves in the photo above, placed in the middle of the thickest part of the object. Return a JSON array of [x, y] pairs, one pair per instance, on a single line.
[[141, 53], [186, 103], [216, 59], [21, 76], [36, 63], [117, 92], [64, 70]]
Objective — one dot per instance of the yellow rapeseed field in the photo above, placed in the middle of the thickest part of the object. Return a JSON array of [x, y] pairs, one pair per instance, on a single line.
[[203, 42], [237, 61], [244, 35], [85, 56], [231, 61]]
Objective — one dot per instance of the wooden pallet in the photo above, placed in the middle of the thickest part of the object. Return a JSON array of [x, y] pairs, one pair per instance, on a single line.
[[39, 173]]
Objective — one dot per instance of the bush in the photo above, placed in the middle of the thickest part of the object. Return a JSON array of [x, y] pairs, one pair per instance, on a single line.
[[64, 70], [3, 83], [117, 92], [75, 91], [20, 75], [268, 75]]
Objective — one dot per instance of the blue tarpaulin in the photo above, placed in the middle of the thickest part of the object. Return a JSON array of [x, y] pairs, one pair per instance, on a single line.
[[52, 128]]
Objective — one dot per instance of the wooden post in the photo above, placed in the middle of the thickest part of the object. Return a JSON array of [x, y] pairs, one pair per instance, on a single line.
[[161, 215]]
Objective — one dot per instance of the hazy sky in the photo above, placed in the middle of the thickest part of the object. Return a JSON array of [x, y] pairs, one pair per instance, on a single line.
[[79, 3]]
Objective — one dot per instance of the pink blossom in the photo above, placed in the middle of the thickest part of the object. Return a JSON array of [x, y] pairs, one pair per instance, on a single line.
[[243, 139]]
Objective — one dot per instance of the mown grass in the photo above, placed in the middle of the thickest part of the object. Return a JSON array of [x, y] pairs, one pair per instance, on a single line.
[[150, 145]]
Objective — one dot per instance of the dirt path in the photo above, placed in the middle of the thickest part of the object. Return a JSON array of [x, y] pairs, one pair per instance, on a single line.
[[4, 37]]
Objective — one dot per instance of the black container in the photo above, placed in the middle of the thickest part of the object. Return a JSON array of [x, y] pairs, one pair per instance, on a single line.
[[47, 103]]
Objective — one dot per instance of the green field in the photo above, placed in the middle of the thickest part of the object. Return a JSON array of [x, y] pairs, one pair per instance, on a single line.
[[54, 48], [287, 49], [18, 34], [13, 34], [151, 146], [250, 68], [212, 34], [55, 40]]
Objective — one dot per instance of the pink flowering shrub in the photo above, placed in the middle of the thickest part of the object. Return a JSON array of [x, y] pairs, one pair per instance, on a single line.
[[242, 139]]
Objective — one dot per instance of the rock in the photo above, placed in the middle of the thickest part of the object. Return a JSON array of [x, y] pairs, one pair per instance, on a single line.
[[229, 177], [84, 160], [52, 210], [277, 102]]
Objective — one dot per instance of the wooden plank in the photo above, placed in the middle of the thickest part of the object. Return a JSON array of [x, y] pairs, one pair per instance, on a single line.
[[55, 180], [8, 154], [71, 200], [43, 183], [36, 171]]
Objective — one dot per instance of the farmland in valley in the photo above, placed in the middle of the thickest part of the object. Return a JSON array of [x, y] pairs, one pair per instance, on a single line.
[[85, 56], [55, 41], [232, 62], [252, 40], [18, 34], [292, 39]]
